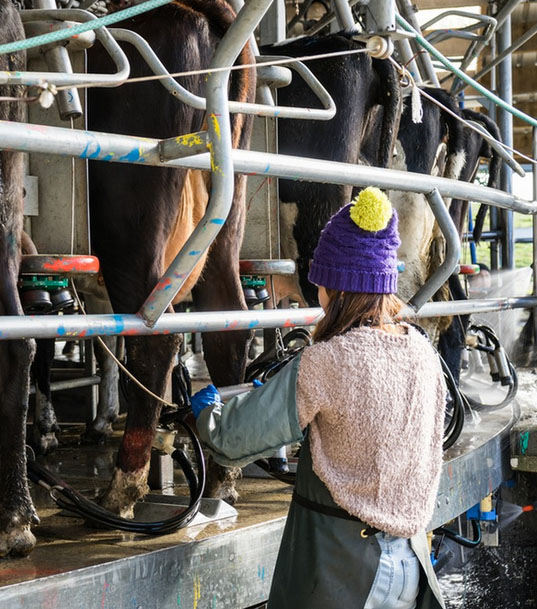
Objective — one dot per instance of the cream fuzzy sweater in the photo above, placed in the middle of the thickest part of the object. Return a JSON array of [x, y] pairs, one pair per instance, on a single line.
[[375, 404]]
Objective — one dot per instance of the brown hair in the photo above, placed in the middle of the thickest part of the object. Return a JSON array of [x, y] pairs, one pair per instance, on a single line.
[[346, 310]]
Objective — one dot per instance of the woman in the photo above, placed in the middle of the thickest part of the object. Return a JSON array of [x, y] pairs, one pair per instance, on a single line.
[[367, 400]]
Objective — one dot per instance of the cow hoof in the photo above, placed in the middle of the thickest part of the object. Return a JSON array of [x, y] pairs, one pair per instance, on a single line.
[[18, 541], [220, 482], [43, 442], [97, 436], [125, 490]]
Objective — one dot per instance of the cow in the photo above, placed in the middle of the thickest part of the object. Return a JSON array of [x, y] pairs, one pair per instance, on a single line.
[[16, 509], [140, 218], [363, 89]]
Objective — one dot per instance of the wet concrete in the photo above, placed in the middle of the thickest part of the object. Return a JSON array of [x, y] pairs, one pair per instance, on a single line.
[[502, 576]]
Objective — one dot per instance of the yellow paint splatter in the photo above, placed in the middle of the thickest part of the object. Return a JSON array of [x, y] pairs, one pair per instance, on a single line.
[[216, 125], [197, 591], [214, 167], [190, 139]]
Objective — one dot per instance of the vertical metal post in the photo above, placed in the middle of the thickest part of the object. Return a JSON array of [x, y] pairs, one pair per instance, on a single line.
[[493, 211], [407, 58], [263, 93], [272, 26], [380, 17], [408, 12], [57, 59], [505, 120], [344, 14], [534, 230]]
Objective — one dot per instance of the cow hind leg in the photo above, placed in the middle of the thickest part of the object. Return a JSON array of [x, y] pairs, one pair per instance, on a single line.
[[45, 425], [108, 406], [17, 512], [150, 361]]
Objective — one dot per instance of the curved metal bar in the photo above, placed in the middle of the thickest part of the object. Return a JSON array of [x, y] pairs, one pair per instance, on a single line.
[[453, 252], [60, 79], [222, 176], [171, 85], [130, 149], [485, 19]]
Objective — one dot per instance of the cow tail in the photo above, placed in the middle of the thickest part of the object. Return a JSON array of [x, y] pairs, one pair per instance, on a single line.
[[494, 174], [390, 99], [456, 156]]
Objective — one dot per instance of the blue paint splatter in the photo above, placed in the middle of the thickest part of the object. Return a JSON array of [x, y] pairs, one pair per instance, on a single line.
[[61, 331], [253, 323], [120, 324], [194, 253], [261, 572], [266, 169], [217, 221], [133, 156], [85, 154], [108, 157]]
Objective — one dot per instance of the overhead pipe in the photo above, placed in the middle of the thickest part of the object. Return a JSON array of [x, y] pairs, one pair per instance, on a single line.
[[88, 326], [222, 174], [452, 254], [112, 147]]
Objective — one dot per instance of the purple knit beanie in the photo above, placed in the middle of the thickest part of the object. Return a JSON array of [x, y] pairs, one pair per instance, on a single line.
[[357, 249]]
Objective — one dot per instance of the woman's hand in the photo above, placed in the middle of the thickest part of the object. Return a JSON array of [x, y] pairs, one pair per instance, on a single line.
[[204, 397]]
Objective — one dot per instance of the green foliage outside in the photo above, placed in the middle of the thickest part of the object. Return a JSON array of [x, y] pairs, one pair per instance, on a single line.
[[523, 251]]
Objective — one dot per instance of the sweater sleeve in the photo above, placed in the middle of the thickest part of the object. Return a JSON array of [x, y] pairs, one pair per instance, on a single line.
[[253, 425], [310, 386]]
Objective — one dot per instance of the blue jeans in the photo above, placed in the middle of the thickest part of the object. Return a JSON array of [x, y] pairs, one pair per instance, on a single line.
[[397, 579]]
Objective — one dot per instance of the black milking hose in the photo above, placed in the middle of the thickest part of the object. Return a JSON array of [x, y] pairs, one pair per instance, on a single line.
[[69, 499]]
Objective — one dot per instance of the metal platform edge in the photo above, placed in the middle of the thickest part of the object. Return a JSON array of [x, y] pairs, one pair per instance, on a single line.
[[230, 570], [471, 476]]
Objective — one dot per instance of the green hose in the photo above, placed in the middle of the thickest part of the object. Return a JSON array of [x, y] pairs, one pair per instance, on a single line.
[[460, 74], [94, 24]]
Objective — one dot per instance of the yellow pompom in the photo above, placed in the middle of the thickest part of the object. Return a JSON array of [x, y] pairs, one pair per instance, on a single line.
[[372, 209]]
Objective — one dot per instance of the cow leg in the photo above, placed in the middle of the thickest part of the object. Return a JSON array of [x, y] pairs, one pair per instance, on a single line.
[[45, 423], [225, 353], [16, 509], [150, 360], [108, 406]]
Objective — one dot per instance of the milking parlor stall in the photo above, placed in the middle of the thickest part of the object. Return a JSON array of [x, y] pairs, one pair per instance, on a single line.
[[138, 144]]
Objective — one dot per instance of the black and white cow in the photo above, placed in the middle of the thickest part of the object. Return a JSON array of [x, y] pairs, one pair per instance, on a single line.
[[363, 89]]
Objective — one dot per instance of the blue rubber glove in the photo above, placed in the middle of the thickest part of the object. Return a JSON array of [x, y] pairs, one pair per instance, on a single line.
[[204, 397]]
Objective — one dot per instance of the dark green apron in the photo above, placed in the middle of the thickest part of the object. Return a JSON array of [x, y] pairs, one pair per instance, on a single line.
[[325, 563]]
